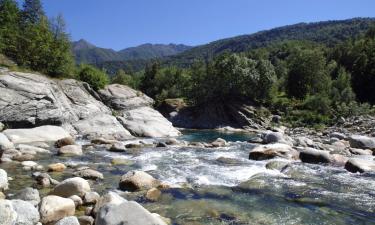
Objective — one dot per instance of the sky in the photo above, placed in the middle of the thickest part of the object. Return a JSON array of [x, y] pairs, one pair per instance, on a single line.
[[119, 24]]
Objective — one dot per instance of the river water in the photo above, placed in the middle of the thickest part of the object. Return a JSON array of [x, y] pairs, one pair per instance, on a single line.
[[221, 186]]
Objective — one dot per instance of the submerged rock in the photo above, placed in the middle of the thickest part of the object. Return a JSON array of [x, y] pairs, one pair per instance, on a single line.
[[72, 186], [355, 165], [130, 213], [153, 194], [56, 167], [137, 180], [54, 208], [37, 134]]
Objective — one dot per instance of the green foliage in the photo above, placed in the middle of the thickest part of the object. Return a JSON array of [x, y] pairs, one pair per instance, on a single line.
[[32, 12], [9, 27], [122, 78], [93, 76]]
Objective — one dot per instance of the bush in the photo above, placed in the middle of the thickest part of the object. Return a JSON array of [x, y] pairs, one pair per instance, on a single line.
[[93, 76]]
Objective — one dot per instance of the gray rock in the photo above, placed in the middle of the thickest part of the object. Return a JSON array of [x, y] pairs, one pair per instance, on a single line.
[[315, 156], [54, 208], [29, 149], [77, 200], [5, 143], [91, 198], [338, 135], [27, 214], [86, 220], [355, 165], [70, 220], [37, 134], [137, 180], [304, 142], [109, 198], [3, 180], [219, 143], [89, 174], [8, 215], [273, 137], [270, 151], [72, 186], [118, 147], [357, 151], [363, 142], [277, 165], [130, 213], [28, 194], [102, 126], [147, 122], [70, 150]]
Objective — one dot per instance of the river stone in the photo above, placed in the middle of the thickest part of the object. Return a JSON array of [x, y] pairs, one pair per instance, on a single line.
[[64, 141], [27, 214], [5, 143], [270, 151], [70, 220], [28, 194], [29, 149], [273, 137], [102, 126], [338, 135], [153, 194], [310, 155], [70, 150], [355, 165], [109, 198], [362, 142], [130, 213], [277, 165], [77, 200], [56, 167], [89, 174], [8, 215], [117, 147], [72, 186], [147, 122], [2, 126], [357, 151], [86, 220], [37, 134], [53, 208], [137, 180], [219, 143], [3, 180], [91, 198]]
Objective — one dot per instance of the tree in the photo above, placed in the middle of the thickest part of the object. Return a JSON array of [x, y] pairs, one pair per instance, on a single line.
[[122, 78], [342, 91], [32, 12], [9, 27], [148, 81], [93, 76]]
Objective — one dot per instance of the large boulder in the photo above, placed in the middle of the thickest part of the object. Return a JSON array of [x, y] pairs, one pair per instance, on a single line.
[[130, 213], [70, 220], [5, 143], [310, 155], [37, 134], [147, 122], [362, 142], [270, 151], [109, 198], [28, 194], [8, 215], [103, 125], [3, 180], [137, 180], [355, 165], [54, 208], [72, 186], [27, 214]]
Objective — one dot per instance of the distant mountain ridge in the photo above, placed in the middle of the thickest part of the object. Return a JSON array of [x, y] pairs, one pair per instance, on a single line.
[[86, 52]]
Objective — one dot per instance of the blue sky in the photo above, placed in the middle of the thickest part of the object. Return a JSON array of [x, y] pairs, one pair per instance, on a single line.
[[119, 24]]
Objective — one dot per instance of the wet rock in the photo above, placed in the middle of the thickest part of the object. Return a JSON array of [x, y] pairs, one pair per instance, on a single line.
[[30, 165], [172, 141], [54, 208], [133, 145], [103, 141], [23, 157], [56, 167], [339, 160], [355, 165], [109, 198], [161, 145], [70, 150], [121, 161], [72, 186], [8, 215], [70, 220], [37, 134], [338, 135], [91, 198], [137, 180], [5, 143], [29, 149], [102, 126], [228, 161], [270, 151], [153, 194], [118, 147], [89, 174], [28, 194], [64, 141], [273, 137], [362, 142], [44, 179], [130, 213], [3, 180], [2, 126], [27, 214], [357, 151], [2, 195], [86, 220], [219, 143], [277, 165], [77, 200], [310, 155], [197, 144]]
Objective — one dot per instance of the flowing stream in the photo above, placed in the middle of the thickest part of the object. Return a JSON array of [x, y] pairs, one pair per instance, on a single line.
[[221, 186]]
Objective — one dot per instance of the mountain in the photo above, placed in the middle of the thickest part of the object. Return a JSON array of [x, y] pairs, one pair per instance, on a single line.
[[86, 52], [328, 33]]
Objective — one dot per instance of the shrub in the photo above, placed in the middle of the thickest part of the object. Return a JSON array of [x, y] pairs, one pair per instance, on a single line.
[[93, 76]]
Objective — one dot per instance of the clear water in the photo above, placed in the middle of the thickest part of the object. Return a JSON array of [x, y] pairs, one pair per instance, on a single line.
[[209, 190]]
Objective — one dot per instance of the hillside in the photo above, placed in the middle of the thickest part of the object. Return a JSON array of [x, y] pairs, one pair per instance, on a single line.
[[89, 53], [328, 32]]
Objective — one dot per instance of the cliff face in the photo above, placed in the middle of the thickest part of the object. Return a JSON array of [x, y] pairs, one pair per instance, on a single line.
[[30, 100]]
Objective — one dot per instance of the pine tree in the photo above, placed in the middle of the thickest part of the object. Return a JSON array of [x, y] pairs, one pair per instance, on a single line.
[[32, 12], [9, 27]]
